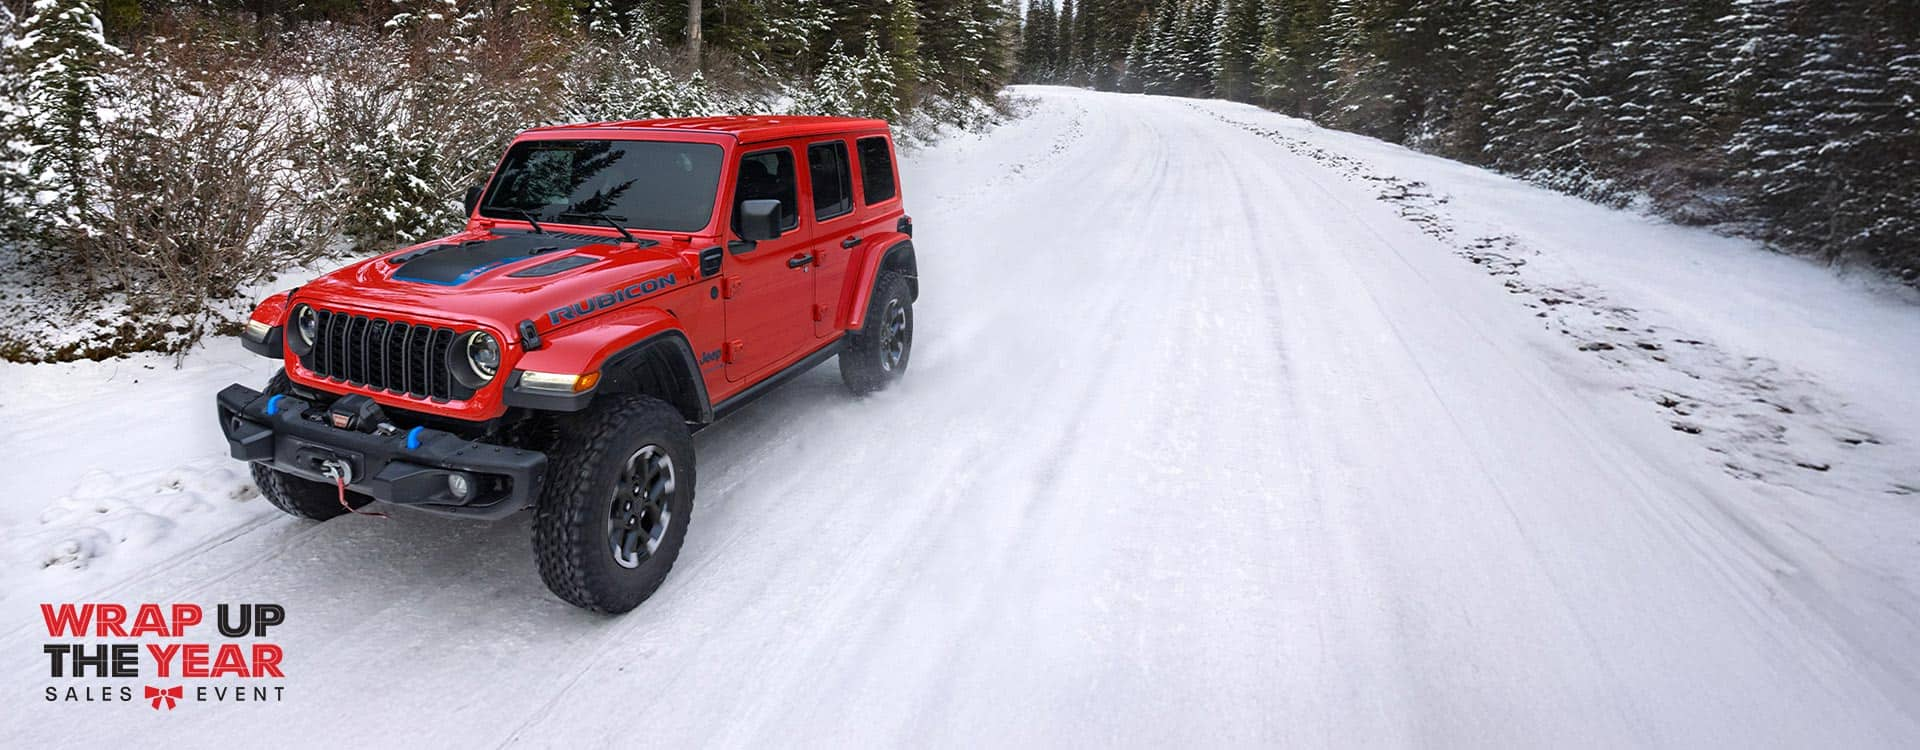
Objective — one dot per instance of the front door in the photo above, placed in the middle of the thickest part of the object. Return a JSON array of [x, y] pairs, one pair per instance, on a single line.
[[768, 291]]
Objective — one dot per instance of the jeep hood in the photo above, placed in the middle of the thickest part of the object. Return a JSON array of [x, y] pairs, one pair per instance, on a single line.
[[500, 279]]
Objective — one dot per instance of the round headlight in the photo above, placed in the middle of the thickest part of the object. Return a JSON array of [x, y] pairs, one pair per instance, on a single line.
[[483, 355], [306, 328]]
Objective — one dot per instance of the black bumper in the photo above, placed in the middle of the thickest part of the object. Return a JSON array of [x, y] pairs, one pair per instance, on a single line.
[[409, 467]]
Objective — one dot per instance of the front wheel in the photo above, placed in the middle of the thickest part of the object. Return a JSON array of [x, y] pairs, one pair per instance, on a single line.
[[618, 498], [877, 354]]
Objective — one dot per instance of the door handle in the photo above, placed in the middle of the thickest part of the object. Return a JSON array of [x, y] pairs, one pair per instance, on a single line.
[[799, 260], [850, 242]]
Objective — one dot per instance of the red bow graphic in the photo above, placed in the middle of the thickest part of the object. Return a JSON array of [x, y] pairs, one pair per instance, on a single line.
[[169, 695]]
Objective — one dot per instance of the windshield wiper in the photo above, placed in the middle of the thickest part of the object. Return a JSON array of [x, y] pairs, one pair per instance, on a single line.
[[612, 221], [528, 215]]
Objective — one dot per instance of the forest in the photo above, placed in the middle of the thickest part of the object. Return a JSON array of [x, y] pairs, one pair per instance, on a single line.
[[160, 160], [1793, 121]]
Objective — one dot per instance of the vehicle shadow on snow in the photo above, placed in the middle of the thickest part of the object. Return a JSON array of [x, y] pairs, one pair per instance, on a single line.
[[489, 567]]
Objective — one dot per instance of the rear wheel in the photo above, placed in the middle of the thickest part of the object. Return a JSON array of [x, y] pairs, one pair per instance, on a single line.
[[618, 498], [877, 354], [296, 496]]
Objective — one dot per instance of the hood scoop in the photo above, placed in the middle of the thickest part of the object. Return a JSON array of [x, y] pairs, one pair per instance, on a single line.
[[456, 264], [552, 267]]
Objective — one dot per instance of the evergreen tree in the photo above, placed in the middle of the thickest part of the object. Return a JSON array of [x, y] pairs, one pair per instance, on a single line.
[[16, 195], [1482, 52], [850, 86], [903, 47], [1114, 27], [1657, 132], [62, 50], [1160, 63], [1063, 44], [1086, 59], [1237, 46], [1392, 72], [1198, 20], [1291, 68], [1538, 125], [1136, 64], [1037, 52]]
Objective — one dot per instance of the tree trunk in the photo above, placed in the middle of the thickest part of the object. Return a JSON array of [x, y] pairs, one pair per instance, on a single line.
[[693, 33]]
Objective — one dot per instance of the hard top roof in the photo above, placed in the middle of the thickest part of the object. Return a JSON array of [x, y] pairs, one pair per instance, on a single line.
[[746, 128]]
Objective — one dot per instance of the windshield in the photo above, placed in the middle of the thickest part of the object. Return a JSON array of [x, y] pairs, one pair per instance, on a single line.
[[648, 185]]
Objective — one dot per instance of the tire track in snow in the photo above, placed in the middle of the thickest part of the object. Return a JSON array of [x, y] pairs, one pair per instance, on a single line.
[[864, 562]]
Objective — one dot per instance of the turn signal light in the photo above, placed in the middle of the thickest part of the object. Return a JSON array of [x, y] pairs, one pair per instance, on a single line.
[[555, 382]]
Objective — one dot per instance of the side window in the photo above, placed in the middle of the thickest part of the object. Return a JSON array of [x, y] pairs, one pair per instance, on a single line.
[[876, 169], [768, 174], [831, 179]]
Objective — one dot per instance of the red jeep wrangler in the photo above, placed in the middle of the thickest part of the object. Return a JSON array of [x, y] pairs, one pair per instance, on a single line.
[[618, 286]]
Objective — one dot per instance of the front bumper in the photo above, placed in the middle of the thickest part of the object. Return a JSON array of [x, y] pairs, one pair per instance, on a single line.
[[406, 467]]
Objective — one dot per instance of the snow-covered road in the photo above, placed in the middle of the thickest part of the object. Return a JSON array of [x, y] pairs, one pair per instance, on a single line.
[[1222, 430]]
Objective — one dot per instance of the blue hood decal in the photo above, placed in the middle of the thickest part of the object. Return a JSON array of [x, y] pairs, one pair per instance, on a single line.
[[458, 263]]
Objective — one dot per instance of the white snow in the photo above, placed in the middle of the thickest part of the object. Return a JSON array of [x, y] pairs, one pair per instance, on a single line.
[[1222, 429]]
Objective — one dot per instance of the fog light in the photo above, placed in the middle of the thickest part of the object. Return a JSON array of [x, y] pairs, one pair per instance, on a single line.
[[459, 485]]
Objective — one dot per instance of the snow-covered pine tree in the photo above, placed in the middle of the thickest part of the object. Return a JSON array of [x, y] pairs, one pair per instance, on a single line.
[[1197, 60], [1658, 74], [1826, 155], [16, 197], [1160, 64], [62, 51], [1037, 43], [1894, 233], [1480, 54], [1771, 150], [1133, 69], [989, 44], [1086, 58], [1237, 44], [1063, 44], [1289, 70], [850, 86], [1361, 90], [1539, 124], [1114, 26], [611, 82], [903, 47]]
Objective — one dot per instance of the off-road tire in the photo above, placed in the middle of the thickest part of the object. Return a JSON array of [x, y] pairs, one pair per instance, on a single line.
[[571, 526], [304, 498], [877, 354]]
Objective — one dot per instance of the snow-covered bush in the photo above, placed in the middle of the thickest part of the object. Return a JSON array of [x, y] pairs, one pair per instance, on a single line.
[[195, 194], [395, 145]]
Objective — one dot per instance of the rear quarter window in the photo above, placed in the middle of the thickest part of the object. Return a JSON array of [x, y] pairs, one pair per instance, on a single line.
[[876, 170]]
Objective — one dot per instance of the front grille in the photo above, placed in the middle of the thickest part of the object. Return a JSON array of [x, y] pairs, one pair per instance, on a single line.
[[387, 355]]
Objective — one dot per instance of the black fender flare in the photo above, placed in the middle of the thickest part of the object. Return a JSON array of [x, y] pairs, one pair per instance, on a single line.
[[630, 369]]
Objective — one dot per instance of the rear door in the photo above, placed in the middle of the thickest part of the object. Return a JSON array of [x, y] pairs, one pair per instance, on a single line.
[[768, 287], [874, 194], [837, 229]]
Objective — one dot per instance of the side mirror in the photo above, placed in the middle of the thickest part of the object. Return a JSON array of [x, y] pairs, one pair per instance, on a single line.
[[472, 201], [760, 220]]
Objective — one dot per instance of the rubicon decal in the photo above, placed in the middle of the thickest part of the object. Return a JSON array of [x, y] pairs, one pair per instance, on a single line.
[[603, 302], [162, 656]]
